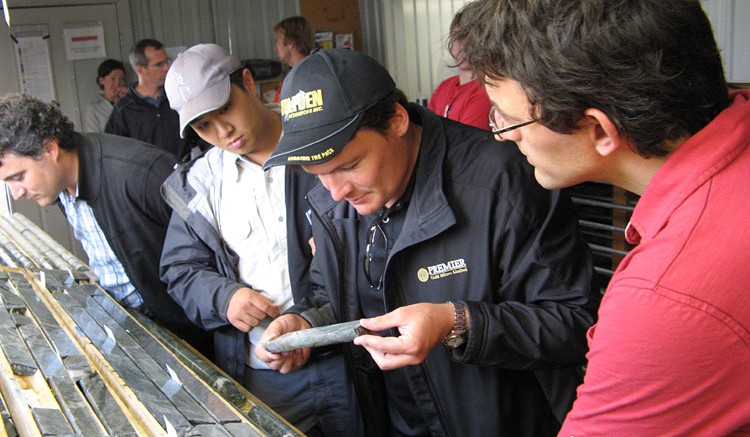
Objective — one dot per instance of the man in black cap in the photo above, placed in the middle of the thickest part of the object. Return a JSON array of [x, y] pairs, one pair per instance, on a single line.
[[432, 233]]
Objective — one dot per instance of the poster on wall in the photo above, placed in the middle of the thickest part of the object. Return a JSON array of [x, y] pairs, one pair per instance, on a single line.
[[34, 67], [84, 41], [345, 41], [324, 40]]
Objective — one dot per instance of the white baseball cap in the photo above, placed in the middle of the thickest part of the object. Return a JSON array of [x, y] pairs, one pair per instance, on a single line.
[[198, 81]]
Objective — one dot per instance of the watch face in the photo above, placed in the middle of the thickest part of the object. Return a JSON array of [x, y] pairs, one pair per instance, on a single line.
[[454, 341]]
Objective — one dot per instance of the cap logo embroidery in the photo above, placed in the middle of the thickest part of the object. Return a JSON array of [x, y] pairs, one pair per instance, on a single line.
[[182, 87], [302, 103], [308, 158]]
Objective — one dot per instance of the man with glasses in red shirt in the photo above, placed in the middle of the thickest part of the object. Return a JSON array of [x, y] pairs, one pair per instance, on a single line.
[[633, 93]]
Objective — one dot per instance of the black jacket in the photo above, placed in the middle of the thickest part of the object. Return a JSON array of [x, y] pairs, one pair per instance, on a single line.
[[133, 117], [120, 179], [202, 271], [521, 268]]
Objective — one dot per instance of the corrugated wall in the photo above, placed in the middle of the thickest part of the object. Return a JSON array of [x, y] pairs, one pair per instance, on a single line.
[[244, 27], [414, 40], [370, 17], [407, 36], [729, 21]]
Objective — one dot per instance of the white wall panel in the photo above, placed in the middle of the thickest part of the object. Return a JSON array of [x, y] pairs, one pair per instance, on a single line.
[[729, 19], [738, 70], [371, 21], [173, 22], [242, 26], [246, 27], [414, 36]]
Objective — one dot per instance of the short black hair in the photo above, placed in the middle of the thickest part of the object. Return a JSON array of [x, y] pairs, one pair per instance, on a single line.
[[378, 117], [138, 52], [235, 77], [106, 67]]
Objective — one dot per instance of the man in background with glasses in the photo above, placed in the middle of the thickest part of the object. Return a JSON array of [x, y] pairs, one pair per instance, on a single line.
[[434, 233], [633, 93], [143, 112]]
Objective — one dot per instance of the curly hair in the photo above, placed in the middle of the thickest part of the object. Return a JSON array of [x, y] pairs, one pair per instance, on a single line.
[[27, 123], [457, 23], [651, 65]]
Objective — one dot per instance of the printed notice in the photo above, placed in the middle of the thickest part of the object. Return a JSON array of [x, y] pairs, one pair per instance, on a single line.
[[34, 67], [84, 42]]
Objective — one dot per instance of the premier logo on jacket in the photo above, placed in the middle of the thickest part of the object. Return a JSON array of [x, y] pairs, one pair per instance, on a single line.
[[442, 270]]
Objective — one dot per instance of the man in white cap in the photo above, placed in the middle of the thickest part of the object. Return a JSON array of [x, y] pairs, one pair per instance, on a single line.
[[236, 252], [431, 233]]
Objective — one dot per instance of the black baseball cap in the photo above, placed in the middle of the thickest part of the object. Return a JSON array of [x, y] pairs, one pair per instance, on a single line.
[[322, 101]]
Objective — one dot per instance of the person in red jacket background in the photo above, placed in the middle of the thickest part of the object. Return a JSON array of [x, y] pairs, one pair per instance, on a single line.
[[461, 97]]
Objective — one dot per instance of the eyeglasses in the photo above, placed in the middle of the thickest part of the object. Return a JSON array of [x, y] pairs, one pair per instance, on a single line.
[[161, 64], [497, 123], [376, 253]]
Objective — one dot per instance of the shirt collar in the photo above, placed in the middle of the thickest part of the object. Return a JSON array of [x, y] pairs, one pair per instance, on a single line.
[[691, 165], [234, 164], [150, 100]]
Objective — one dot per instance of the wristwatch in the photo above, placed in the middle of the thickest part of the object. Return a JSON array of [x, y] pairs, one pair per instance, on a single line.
[[457, 336]]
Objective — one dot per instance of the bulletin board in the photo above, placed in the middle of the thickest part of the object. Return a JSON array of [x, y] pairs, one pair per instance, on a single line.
[[339, 16]]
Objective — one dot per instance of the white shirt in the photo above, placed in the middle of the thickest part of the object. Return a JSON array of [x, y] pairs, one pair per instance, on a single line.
[[252, 221], [96, 115]]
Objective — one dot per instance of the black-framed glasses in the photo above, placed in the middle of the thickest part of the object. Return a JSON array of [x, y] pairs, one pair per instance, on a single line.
[[376, 253], [497, 123]]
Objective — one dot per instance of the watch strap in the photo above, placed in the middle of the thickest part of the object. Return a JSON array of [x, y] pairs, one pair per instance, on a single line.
[[457, 336]]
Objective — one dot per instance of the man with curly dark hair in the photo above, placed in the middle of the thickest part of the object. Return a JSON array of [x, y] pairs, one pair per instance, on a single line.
[[108, 188], [633, 93]]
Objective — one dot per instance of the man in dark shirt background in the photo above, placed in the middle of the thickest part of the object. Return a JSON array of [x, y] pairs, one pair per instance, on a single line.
[[144, 112]]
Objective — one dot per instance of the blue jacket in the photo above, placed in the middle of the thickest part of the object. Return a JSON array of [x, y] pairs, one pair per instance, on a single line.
[[525, 276]]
